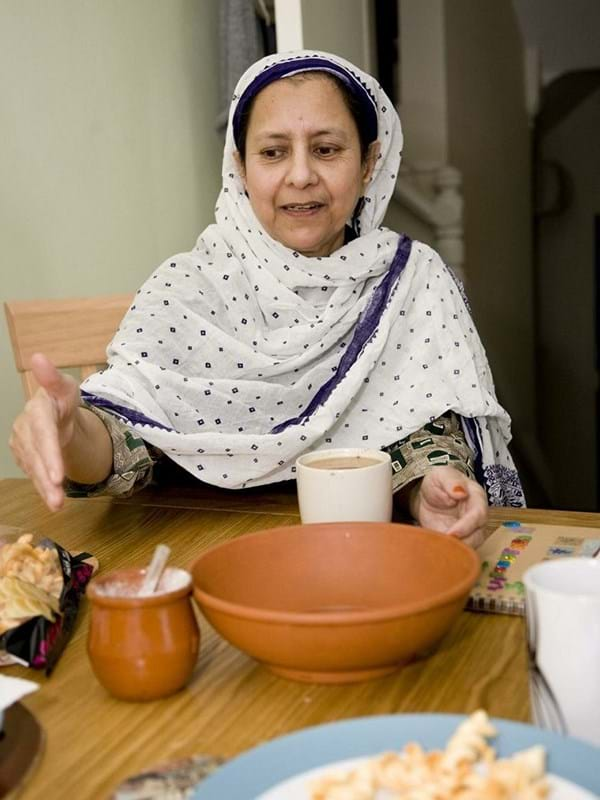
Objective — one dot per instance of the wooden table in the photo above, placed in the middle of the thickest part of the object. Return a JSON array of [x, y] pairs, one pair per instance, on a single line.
[[232, 703]]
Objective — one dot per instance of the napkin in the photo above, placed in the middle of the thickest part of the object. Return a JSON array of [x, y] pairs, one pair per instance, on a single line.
[[11, 690]]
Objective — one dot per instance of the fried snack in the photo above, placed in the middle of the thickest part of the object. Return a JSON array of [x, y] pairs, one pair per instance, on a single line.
[[19, 601], [40, 591], [466, 770], [35, 565]]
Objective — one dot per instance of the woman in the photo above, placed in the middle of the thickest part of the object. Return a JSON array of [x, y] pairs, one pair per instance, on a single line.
[[296, 323]]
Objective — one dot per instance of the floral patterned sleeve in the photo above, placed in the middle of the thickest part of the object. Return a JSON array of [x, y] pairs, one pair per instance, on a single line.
[[439, 443], [133, 462]]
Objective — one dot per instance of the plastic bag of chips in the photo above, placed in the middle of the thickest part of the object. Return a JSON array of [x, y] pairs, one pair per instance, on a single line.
[[40, 588]]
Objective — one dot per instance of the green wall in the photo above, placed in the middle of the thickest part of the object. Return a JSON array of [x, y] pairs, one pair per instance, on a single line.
[[109, 159]]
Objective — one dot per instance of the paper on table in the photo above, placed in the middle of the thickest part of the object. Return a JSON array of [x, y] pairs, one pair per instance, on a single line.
[[13, 689]]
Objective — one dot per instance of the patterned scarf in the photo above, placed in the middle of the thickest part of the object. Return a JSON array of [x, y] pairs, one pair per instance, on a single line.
[[242, 354]]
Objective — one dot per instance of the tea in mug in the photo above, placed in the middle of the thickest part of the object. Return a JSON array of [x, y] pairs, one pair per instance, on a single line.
[[343, 462]]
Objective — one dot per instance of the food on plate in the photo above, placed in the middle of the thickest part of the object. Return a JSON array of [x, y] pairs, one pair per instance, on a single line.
[[466, 770], [34, 565]]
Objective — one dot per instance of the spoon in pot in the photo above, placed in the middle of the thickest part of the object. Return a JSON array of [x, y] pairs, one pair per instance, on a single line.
[[155, 570]]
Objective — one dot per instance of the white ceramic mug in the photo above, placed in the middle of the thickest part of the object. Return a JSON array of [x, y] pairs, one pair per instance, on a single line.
[[334, 486], [563, 633]]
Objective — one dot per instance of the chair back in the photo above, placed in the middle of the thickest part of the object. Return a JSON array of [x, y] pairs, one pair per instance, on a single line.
[[73, 333]]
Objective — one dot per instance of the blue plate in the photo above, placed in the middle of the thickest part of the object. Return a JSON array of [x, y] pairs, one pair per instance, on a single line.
[[259, 769]]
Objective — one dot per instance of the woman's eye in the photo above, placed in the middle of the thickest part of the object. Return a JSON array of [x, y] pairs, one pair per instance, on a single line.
[[326, 150], [271, 153]]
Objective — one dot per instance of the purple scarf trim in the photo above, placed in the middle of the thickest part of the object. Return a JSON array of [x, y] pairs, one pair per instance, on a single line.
[[363, 333], [469, 427], [128, 414], [501, 483], [296, 65]]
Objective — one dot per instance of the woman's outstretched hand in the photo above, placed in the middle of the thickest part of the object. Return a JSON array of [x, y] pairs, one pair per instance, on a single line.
[[446, 500], [44, 428]]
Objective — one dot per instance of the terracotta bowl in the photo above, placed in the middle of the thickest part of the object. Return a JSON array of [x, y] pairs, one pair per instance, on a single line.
[[335, 602]]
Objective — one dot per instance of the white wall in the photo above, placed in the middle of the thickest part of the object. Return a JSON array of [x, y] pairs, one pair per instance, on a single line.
[[344, 27], [109, 157]]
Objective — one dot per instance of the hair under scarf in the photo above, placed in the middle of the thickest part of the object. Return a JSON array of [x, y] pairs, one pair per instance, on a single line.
[[242, 354]]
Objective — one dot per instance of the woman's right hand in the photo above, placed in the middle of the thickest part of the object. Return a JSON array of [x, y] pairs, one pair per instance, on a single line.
[[44, 428]]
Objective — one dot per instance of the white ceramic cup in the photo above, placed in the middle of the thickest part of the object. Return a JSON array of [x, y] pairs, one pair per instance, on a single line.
[[334, 494], [563, 633]]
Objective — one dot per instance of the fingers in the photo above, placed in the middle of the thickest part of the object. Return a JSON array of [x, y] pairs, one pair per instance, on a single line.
[[456, 485], [34, 442], [474, 539], [452, 487], [62, 390], [445, 487], [459, 492], [52, 493], [472, 519], [435, 488], [59, 386], [453, 503], [470, 527], [45, 372]]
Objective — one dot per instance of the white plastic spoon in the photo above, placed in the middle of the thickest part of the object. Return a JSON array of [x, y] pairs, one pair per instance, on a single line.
[[155, 570]]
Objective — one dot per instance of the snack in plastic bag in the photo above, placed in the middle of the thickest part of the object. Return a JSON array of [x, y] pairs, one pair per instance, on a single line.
[[40, 588], [19, 601]]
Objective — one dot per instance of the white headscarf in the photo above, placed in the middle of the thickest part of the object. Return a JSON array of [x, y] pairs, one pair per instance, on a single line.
[[240, 355]]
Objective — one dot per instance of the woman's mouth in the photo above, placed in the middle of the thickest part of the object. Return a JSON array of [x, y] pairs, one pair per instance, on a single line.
[[301, 209]]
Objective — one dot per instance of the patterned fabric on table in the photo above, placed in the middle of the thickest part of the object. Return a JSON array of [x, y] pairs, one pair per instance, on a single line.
[[439, 442]]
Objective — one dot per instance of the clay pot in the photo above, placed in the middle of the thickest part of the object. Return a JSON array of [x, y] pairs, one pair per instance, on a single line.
[[335, 602], [142, 648]]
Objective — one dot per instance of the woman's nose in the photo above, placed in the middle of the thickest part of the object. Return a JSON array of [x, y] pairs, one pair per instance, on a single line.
[[301, 170]]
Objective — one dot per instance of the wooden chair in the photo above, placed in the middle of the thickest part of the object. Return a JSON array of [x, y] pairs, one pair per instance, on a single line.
[[73, 333]]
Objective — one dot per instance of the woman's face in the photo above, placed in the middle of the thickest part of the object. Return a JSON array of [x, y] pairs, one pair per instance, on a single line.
[[303, 170]]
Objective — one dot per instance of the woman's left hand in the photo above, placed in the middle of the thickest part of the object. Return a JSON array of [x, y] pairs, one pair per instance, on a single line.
[[446, 500]]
